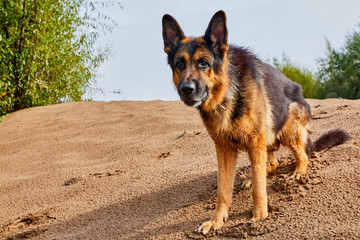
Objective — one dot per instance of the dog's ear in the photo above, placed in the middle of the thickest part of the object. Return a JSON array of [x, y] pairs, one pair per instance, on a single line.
[[172, 33], [216, 34]]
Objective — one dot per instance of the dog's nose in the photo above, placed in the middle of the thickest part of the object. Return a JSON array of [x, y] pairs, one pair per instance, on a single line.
[[187, 88]]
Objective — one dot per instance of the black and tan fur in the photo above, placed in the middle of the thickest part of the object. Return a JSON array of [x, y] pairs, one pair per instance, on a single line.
[[245, 104]]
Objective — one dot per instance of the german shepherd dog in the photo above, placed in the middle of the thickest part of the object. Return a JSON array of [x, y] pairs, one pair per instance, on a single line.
[[245, 104]]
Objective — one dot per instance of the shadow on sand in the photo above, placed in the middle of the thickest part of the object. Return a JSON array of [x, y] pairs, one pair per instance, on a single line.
[[134, 218]]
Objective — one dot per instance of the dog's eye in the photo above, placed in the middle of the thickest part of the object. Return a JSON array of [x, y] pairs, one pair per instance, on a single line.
[[202, 63], [180, 64]]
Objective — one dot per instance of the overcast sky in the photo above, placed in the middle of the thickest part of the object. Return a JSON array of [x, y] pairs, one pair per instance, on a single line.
[[297, 28]]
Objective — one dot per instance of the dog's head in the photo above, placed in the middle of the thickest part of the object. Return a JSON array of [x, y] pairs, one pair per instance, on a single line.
[[196, 62]]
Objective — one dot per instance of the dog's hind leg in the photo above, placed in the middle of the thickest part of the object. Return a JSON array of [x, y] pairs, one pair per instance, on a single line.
[[301, 162], [226, 173], [301, 158], [295, 136], [273, 163]]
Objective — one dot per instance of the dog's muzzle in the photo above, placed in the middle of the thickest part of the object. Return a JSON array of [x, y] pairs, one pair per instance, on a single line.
[[193, 93]]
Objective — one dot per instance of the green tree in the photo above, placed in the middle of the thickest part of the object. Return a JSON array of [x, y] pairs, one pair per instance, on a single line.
[[340, 69], [48, 51], [298, 74]]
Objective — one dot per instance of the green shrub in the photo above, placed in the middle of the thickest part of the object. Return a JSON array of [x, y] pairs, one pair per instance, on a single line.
[[298, 74], [340, 69], [47, 51]]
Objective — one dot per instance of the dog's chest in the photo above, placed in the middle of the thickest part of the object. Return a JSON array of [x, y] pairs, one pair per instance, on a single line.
[[223, 129]]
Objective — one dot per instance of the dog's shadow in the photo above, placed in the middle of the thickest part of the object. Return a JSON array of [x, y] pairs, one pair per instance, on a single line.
[[143, 216]]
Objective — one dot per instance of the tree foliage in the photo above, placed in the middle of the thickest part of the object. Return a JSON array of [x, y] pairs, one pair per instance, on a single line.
[[47, 51], [298, 74], [340, 69], [338, 73]]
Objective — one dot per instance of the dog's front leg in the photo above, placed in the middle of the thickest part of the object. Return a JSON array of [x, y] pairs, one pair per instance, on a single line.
[[226, 158], [257, 155]]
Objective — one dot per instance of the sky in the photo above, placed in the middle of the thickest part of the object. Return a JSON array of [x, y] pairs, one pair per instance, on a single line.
[[138, 65]]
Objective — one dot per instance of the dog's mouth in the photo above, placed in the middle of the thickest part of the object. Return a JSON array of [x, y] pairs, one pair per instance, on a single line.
[[192, 102], [195, 101]]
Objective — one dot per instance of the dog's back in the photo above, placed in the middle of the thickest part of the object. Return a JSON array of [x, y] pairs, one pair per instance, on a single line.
[[279, 90]]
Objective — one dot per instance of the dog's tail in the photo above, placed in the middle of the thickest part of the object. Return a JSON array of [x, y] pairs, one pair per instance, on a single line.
[[329, 140]]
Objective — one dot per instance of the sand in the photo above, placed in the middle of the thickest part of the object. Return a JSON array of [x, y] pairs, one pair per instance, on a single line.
[[147, 170]]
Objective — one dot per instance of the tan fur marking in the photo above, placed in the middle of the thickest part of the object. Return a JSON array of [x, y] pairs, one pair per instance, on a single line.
[[257, 154], [200, 40], [220, 84], [272, 162], [226, 173], [177, 73], [270, 134], [187, 40], [294, 136], [202, 53]]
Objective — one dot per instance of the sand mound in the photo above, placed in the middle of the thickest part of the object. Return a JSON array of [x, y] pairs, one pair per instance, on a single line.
[[135, 170]]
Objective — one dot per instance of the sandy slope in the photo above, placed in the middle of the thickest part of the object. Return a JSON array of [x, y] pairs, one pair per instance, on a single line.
[[135, 170]]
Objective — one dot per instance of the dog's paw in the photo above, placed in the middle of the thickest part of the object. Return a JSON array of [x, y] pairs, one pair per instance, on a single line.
[[259, 216], [215, 223], [206, 227], [272, 168], [297, 174], [246, 184]]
